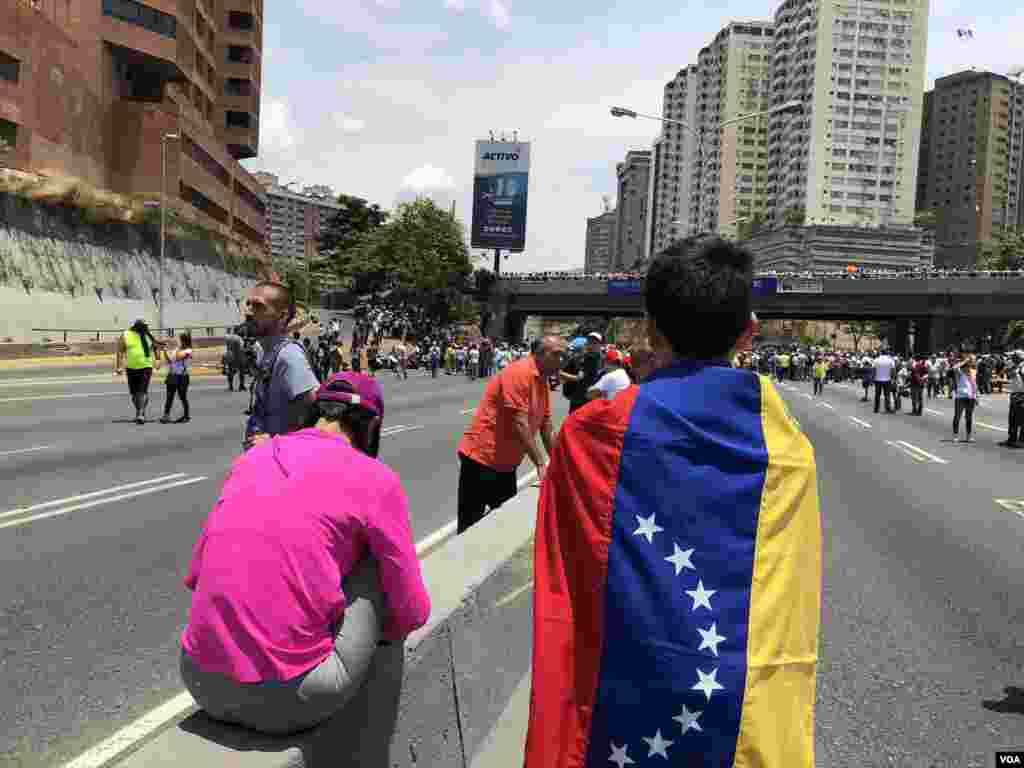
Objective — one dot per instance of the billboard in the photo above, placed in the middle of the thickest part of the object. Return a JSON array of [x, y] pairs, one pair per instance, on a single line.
[[765, 286], [625, 287], [500, 177]]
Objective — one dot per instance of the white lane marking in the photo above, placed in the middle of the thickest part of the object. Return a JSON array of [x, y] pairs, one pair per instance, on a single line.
[[124, 392], [92, 495], [25, 450], [183, 705], [858, 421], [934, 412], [918, 453], [809, 397], [468, 410], [106, 500], [827, 405], [513, 595], [993, 427], [396, 430], [1014, 505]]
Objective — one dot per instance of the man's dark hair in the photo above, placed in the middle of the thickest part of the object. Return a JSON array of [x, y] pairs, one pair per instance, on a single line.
[[700, 300], [364, 425], [283, 297]]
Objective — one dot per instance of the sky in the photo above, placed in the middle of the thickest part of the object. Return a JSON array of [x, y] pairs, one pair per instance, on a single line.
[[384, 99]]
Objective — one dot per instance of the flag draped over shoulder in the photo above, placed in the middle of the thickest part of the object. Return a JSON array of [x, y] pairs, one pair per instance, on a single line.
[[678, 580]]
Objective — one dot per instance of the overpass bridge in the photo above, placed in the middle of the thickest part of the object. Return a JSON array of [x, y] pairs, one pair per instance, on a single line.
[[938, 309]]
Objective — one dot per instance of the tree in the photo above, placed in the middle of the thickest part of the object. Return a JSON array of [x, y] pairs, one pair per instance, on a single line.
[[858, 329], [927, 219], [751, 227], [794, 216], [1005, 250], [354, 219], [421, 250]]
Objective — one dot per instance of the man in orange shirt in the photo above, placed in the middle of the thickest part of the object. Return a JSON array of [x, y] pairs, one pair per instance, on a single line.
[[516, 406]]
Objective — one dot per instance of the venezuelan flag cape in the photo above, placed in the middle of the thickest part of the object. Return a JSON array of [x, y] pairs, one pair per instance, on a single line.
[[677, 580]]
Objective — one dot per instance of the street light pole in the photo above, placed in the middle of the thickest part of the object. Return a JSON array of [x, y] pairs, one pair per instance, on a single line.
[[163, 222], [787, 106]]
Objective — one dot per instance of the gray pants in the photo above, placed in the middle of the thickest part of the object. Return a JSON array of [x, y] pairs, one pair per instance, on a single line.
[[300, 703]]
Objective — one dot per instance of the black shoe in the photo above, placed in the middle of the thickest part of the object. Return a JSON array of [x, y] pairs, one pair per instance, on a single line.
[[1008, 444], [183, 420], [139, 420], [165, 419]]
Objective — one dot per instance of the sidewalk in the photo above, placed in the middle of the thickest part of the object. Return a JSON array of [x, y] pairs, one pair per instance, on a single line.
[[504, 745]]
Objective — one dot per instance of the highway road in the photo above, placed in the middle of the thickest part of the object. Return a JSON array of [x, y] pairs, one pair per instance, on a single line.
[[923, 617], [923, 621], [98, 521]]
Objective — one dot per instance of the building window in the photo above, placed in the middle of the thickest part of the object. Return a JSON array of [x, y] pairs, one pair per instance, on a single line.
[[241, 20], [141, 15], [240, 53], [8, 136], [10, 68], [238, 119]]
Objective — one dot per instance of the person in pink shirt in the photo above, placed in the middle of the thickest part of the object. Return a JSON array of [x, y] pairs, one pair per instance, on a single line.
[[305, 565]]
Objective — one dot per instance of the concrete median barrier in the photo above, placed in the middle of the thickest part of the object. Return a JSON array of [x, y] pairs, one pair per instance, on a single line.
[[433, 702]]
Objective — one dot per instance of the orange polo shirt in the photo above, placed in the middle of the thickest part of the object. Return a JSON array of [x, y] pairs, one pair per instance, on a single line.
[[492, 439]]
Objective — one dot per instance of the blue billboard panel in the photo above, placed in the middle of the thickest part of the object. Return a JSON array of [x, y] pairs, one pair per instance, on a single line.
[[625, 287], [500, 181], [765, 286]]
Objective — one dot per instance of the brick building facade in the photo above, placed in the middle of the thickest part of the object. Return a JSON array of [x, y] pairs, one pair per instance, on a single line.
[[88, 88]]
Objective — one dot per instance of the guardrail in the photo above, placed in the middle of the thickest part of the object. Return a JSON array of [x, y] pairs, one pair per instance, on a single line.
[[156, 331]]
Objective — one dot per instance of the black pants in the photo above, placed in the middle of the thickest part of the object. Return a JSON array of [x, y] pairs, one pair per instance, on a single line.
[[1015, 427], [481, 486], [965, 406], [819, 385], [883, 387], [232, 370], [917, 400], [177, 384], [138, 387]]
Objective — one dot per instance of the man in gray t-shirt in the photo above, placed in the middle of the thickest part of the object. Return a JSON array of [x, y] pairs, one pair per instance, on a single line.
[[285, 384]]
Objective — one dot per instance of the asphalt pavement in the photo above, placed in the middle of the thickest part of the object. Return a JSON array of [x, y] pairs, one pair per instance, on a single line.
[[923, 618], [97, 527]]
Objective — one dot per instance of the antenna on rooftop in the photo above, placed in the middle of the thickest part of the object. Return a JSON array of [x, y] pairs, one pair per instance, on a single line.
[[515, 136]]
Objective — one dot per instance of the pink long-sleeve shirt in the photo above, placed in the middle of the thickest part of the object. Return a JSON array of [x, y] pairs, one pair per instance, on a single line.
[[295, 515]]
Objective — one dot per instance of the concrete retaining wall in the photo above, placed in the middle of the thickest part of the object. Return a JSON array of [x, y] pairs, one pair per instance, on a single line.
[[429, 704], [59, 271]]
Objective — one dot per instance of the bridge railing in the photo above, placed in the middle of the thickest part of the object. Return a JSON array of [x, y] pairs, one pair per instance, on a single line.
[[544, 277]]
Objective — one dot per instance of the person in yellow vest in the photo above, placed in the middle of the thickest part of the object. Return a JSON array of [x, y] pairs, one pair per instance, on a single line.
[[820, 369], [137, 350]]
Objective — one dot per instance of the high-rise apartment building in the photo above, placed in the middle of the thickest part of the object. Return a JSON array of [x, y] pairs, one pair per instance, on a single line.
[[295, 220], [90, 88], [971, 172], [600, 243], [674, 157], [631, 209], [729, 180], [850, 157]]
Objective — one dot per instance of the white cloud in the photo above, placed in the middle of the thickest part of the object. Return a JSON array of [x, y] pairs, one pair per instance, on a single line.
[[348, 124], [499, 13], [428, 181], [278, 132], [455, 5]]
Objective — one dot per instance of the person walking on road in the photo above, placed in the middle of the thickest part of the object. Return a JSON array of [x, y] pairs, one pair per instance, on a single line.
[[515, 406], [179, 364], [820, 369], [285, 383], [137, 350], [966, 395], [918, 380], [582, 372], [304, 567], [235, 359], [677, 561], [1015, 417], [884, 366]]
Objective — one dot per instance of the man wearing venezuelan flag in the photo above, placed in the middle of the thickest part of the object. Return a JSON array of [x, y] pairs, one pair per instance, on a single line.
[[678, 553]]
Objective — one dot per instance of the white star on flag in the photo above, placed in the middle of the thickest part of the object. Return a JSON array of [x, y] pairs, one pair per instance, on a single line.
[[688, 720], [707, 683], [710, 639], [658, 745], [681, 559], [619, 756], [701, 596], [647, 528]]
